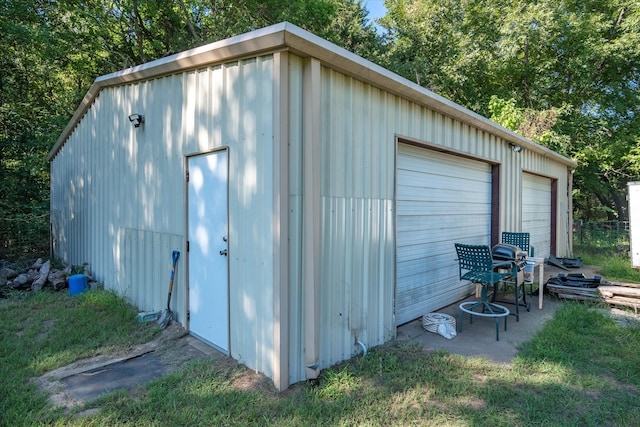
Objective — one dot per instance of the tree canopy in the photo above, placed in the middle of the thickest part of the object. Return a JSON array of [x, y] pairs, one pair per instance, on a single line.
[[52, 50], [563, 73]]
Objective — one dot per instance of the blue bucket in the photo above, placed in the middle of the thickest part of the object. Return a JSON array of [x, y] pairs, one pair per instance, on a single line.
[[77, 284]]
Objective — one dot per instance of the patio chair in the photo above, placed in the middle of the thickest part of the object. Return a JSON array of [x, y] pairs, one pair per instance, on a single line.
[[476, 265], [521, 240]]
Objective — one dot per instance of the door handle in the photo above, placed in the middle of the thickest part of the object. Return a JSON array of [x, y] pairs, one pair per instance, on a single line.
[[223, 252]]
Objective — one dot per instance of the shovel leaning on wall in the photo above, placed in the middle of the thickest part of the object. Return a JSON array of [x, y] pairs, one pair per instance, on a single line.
[[165, 316]]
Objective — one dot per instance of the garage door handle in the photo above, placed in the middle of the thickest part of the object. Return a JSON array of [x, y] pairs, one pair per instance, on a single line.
[[224, 252]]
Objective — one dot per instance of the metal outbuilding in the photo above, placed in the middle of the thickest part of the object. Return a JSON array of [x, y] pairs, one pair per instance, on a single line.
[[314, 195]]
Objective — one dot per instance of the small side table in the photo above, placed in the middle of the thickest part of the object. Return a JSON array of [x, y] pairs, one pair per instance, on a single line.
[[540, 265]]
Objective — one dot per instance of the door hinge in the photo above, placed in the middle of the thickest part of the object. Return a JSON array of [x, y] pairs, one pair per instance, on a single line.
[[187, 246], [187, 176], [188, 316]]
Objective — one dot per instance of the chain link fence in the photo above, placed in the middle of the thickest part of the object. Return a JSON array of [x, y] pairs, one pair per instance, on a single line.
[[602, 234], [24, 236]]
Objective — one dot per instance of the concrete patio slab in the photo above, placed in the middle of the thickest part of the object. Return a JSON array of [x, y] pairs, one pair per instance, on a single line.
[[479, 338]]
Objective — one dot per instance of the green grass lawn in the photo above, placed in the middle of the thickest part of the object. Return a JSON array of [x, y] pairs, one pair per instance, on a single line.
[[582, 369]]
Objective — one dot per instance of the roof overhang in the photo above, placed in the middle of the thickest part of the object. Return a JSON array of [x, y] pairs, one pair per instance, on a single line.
[[286, 36]]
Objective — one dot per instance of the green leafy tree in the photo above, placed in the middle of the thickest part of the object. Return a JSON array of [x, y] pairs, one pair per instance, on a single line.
[[571, 69], [52, 50], [33, 96]]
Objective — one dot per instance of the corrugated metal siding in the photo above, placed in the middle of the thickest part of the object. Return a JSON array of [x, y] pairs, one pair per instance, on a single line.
[[296, 315], [357, 159], [251, 214], [360, 124], [110, 176], [441, 199], [540, 165], [536, 212], [146, 269], [357, 257], [118, 193], [357, 269], [232, 105]]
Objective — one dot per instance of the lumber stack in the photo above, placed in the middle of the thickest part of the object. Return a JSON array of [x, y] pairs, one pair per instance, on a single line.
[[575, 286], [578, 287], [625, 294], [573, 292]]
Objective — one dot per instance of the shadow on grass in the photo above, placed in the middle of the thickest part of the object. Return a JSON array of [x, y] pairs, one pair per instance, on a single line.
[[580, 370]]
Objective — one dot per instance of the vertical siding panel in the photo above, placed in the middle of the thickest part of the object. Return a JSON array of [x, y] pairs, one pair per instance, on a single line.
[[99, 261], [248, 96], [296, 323], [357, 190], [377, 158], [122, 156], [368, 183], [264, 133], [189, 111], [203, 110], [217, 108], [71, 200]]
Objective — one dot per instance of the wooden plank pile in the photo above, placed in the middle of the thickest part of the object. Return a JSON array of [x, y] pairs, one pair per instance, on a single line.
[[573, 292], [577, 287], [626, 294]]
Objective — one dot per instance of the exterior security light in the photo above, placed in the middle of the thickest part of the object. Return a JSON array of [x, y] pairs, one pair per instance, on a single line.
[[136, 119], [516, 148]]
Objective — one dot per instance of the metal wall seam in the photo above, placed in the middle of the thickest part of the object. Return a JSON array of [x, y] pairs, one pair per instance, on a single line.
[[296, 320], [280, 171], [311, 223]]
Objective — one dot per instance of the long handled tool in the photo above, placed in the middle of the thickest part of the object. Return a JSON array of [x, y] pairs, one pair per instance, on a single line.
[[166, 315]]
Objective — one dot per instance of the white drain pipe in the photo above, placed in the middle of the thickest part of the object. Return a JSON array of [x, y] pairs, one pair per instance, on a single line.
[[364, 347]]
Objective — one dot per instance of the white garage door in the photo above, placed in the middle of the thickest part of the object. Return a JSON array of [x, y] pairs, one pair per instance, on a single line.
[[536, 212], [441, 199]]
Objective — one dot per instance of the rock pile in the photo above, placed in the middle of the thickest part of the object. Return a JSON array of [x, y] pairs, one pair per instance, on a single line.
[[37, 276]]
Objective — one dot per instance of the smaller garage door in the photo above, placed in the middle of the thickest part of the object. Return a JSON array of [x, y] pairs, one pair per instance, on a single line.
[[536, 212], [441, 199]]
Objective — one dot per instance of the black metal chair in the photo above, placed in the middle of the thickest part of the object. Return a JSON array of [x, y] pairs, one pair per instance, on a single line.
[[475, 264]]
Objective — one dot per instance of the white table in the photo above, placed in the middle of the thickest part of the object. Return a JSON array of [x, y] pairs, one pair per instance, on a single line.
[[540, 264]]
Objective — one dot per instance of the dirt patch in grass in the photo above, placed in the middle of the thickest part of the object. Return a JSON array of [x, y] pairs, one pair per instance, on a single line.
[[174, 347]]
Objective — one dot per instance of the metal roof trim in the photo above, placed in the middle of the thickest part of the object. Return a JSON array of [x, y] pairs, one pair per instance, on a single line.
[[301, 42], [255, 42]]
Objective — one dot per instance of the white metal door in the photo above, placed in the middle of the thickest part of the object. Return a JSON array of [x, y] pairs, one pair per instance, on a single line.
[[536, 212], [441, 199], [208, 266]]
